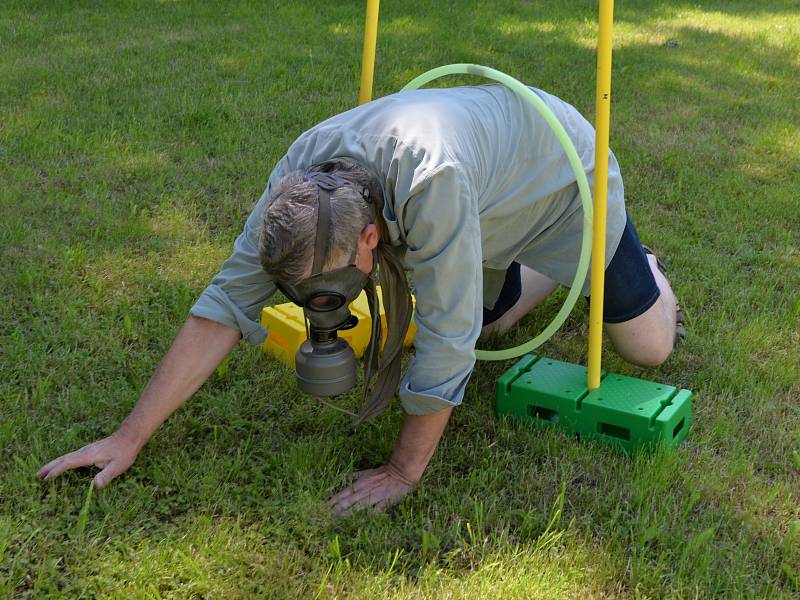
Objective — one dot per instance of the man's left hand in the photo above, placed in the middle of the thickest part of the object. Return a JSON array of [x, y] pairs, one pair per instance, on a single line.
[[373, 488]]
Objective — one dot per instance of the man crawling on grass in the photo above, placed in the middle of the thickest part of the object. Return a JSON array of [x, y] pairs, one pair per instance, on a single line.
[[469, 190]]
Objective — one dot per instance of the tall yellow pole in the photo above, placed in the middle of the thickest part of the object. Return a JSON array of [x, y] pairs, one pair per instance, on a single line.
[[368, 56], [602, 122]]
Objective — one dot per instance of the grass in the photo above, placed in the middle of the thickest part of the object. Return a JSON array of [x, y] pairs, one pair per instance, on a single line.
[[135, 138]]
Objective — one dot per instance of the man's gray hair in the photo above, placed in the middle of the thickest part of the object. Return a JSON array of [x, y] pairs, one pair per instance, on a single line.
[[289, 224]]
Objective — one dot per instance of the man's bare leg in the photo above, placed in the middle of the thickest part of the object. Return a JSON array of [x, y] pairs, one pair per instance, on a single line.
[[648, 340], [536, 288]]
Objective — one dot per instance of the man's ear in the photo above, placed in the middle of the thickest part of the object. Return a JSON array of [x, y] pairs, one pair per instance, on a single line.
[[369, 236]]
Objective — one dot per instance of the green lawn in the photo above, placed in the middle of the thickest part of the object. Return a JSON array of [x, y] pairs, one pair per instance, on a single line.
[[135, 137]]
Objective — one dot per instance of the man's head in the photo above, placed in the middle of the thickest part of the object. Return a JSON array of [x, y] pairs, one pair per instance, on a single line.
[[290, 223], [315, 264]]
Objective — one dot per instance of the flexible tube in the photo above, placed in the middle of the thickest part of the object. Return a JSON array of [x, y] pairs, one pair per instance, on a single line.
[[583, 187]]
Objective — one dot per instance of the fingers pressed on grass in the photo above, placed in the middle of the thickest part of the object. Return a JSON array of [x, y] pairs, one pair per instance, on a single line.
[[363, 496], [373, 488], [347, 498], [58, 466], [371, 503], [45, 470], [365, 503], [343, 498]]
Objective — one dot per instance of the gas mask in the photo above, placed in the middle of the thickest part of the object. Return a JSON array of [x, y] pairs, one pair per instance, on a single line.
[[325, 363]]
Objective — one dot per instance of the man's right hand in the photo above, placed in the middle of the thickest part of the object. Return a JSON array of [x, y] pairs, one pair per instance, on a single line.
[[113, 455], [197, 350]]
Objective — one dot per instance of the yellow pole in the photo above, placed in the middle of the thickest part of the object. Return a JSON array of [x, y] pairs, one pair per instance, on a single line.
[[603, 117], [368, 56]]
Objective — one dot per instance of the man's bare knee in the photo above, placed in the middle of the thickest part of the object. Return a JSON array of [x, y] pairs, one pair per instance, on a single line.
[[648, 356], [646, 340]]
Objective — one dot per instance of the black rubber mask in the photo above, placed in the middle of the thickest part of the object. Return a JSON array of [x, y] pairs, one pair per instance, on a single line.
[[325, 297]]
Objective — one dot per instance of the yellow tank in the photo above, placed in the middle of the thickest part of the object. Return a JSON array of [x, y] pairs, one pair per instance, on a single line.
[[287, 331]]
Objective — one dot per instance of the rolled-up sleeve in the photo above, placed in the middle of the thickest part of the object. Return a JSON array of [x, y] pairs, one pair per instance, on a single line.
[[442, 231], [239, 291]]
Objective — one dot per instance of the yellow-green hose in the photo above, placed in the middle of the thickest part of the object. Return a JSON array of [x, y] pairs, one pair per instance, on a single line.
[[583, 187]]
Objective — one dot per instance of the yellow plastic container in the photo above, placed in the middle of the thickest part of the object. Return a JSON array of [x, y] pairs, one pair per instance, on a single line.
[[287, 331]]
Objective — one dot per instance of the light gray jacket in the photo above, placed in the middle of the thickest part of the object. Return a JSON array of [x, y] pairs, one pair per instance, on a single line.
[[473, 179]]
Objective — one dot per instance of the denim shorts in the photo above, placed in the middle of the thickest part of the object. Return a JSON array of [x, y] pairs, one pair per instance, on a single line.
[[630, 288]]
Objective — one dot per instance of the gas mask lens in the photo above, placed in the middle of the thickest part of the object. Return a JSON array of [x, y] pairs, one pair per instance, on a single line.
[[325, 301]]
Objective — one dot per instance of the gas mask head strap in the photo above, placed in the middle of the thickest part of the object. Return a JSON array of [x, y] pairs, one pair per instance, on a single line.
[[326, 183]]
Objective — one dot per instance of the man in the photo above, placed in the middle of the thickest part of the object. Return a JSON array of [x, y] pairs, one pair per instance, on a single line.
[[465, 187]]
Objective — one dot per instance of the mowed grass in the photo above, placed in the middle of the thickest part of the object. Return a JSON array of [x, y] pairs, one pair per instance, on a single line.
[[134, 139]]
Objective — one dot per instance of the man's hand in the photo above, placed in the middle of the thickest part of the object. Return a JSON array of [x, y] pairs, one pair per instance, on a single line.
[[197, 350], [378, 488], [113, 455], [373, 488]]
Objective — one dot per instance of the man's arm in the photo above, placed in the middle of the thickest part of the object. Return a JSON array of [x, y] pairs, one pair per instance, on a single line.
[[442, 229], [198, 348], [226, 311], [414, 448]]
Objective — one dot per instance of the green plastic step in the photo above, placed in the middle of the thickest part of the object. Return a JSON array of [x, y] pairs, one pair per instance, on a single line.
[[625, 412]]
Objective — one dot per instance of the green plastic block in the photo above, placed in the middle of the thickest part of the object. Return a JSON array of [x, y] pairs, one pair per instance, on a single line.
[[559, 388], [625, 412]]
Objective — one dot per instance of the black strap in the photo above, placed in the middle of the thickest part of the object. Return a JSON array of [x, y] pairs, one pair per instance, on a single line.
[[325, 183], [323, 230]]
